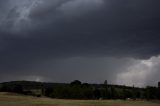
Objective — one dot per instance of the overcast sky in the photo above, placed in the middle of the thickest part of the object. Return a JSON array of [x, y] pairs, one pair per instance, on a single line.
[[87, 40]]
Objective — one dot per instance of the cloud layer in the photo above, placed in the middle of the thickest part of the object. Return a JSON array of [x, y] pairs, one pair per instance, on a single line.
[[62, 40]]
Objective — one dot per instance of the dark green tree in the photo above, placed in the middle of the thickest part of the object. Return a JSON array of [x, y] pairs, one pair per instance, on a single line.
[[75, 82]]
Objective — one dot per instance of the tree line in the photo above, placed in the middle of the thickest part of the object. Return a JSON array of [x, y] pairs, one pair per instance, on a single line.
[[79, 90]]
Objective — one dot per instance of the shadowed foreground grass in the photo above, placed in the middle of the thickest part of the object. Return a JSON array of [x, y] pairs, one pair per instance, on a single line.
[[9, 99]]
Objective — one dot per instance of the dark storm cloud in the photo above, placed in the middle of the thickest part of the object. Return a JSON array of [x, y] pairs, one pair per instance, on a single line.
[[35, 32], [116, 26]]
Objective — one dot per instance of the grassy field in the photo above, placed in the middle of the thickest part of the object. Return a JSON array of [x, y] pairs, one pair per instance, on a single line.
[[8, 99]]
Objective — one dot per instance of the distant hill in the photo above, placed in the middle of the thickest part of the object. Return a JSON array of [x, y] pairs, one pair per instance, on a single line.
[[78, 90]]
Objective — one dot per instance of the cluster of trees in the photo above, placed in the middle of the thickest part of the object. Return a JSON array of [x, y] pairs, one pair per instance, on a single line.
[[78, 90], [22, 87]]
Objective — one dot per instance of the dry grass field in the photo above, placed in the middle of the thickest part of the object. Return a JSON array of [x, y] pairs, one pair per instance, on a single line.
[[9, 99]]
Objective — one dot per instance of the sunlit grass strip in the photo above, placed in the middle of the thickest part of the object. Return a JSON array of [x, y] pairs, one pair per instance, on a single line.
[[8, 99]]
